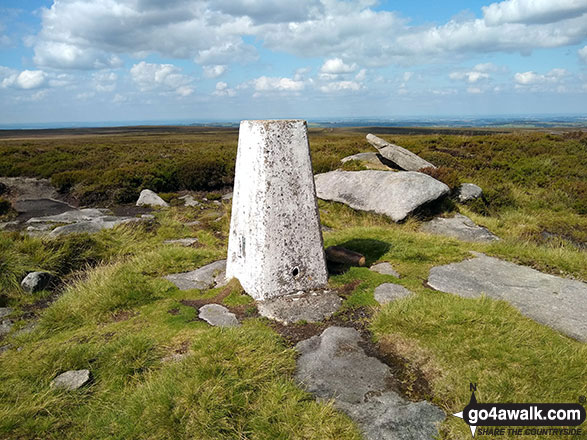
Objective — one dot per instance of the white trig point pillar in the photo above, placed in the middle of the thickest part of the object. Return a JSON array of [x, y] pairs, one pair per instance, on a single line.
[[275, 245]]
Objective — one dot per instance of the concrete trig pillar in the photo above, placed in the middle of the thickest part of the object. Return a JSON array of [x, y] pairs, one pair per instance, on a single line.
[[275, 244]]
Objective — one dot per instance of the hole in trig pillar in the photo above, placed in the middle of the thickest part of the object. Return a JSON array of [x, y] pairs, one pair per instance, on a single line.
[[295, 272]]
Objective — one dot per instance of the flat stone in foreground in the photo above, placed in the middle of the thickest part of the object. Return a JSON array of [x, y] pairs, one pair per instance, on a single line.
[[218, 316], [460, 227], [71, 380], [312, 306], [395, 194], [384, 268], [557, 302], [206, 277], [334, 366], [388, 292]]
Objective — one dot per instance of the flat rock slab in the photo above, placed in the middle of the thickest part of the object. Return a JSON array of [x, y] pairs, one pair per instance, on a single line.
[[557, 302], [334, 366], [71, 380], [205, 277], [218, 316], [40, 207], [460, 227], [403, 158], [312, 306], [385, 269], [395, 194], [182, 242], [388, 292], [369, 160]]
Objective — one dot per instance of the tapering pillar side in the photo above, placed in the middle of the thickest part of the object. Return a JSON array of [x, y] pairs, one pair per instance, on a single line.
[[275, 244]]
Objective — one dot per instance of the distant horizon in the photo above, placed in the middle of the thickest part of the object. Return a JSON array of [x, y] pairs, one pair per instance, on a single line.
[[548, 119]]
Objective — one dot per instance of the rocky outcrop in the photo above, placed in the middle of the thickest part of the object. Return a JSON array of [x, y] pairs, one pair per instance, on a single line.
[[460, 227], [149, 198], [557, 302], [404, 159], [334, 366], [395, 194]]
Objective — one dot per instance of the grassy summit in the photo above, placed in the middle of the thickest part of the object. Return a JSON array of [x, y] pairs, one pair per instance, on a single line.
[[160, 373]]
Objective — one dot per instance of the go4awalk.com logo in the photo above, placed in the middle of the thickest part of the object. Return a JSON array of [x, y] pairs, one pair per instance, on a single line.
[[535, 418]]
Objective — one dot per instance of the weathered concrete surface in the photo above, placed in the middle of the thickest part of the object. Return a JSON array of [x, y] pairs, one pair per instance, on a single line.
[[275, 243], [388, 292], [205, 277], [460, 227], [71, 380], [557, 302], [311, 306], [384, 268], [395, 194], [333, 365], [403, 158], [218, 316], [149, 198], [36, 281], [468, 192]]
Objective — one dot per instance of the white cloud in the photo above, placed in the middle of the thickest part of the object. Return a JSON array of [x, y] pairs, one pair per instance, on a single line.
[[269, 84], [336, 66], [27, 79], [361, 75], [215, 71], [105, 81], [532, 78], [162, 77], [471, 77], [533, 11], [474, 90], [222, 89], [270, 11], [340, 86], [583, 54]]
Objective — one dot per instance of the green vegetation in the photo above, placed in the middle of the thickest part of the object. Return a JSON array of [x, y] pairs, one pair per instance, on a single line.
[[158, 372]]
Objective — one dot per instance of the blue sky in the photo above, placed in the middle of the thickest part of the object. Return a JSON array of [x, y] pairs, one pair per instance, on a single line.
[[109, 60]]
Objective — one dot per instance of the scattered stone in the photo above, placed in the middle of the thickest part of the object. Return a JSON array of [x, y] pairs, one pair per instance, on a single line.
[[227, 196], [187, 242], [550, 300], [468, 192], [460, 227], [395, 194], [149, 198], [36, 281], [403, 158], [5, 311], [194, 223], [205, 277], [334, 366], [369, 160], [311, 306], [388, 292], [5, 327], [384, 268], [9, 226], [218, 316], [148, 217], [188, 200], [71, 380]]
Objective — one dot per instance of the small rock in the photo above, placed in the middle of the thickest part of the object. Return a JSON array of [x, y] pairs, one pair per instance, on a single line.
[[227, 196], [5, 311], [194, 223], [5, 326], [460, 227], [468, 192], [188, 200], [309, 306], [205, 277], [71, 380], [148, 217], [36, 281], [149, 198], [218, 316], [182, 241], [385, 269], [388, 292]]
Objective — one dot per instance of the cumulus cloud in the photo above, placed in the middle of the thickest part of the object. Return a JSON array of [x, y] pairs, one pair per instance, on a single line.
[[532, 11], [471, 77], [215, 71], [583, 54], [337, 66], [271, 84], [27, 79], [222, 89], [532, 78], [161, 77], [340, 86], [271, 11]]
